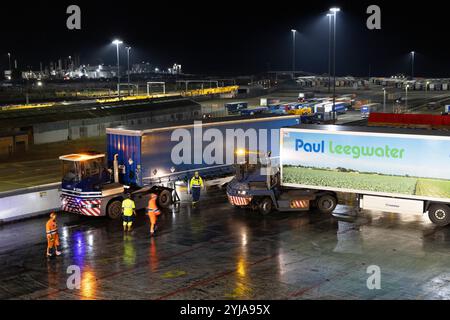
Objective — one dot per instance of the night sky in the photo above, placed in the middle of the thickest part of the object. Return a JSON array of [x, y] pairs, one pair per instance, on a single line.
[[233, 37]]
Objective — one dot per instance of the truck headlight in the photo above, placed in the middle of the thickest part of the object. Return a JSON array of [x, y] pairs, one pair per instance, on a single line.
[[242, 193]]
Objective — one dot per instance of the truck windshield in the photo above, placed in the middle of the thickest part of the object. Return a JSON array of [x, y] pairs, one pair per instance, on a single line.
[[243, 171], [78, 170], [71, 171]]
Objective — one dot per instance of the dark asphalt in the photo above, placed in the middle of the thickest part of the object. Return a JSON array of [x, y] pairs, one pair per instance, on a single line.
[[215, 252]]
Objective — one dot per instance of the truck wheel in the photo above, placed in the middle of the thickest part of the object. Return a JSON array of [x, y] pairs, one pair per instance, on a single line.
[[165, 199], [439, 214], [265, 206], [114, 209], [326, 203]]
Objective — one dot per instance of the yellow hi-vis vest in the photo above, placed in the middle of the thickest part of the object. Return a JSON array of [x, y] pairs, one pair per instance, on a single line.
[[128, 206], [196, 182]]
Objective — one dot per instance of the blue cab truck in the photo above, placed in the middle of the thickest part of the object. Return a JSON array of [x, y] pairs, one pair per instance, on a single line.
[[236, 107], [139, 162]]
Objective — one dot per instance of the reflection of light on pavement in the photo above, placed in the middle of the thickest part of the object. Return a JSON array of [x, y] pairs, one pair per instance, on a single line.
[[349, 238], [436, 288], [244, 235], [79, 248], [241, 267], [65, 236], [197, 226], [88, 285], [129, 253], [281, 262], [244, 239], [153, 256], [91, 240], [241, 288]]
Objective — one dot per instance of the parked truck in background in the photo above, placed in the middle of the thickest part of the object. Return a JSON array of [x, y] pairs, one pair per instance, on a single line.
[[138, 161], [388, 169], [236, 107], [303, 96], [368, 108], [447, 109]]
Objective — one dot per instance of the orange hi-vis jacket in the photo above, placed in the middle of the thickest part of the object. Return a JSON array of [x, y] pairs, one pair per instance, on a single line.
[[152, 206], [51, 229]]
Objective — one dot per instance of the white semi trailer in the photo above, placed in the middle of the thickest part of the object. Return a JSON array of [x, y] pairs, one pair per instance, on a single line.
[[391, 170]]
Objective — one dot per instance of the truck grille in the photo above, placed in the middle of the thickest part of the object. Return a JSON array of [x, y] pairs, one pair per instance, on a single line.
[[239, 201], [86, 207]]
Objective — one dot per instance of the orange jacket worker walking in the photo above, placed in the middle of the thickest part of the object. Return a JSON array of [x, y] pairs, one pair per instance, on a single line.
[[153, 212], [51, 229]]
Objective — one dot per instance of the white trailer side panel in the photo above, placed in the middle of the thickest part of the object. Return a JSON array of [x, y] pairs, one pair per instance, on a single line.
[[400, 163]]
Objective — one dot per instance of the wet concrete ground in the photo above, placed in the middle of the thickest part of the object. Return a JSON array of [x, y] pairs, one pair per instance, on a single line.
[[215, 252]]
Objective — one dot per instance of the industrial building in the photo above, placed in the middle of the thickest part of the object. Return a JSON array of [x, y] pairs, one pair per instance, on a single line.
[[83, 121]]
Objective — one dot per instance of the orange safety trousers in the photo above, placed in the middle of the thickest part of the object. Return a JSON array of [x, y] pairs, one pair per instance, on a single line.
[[53, 241], [153, 211], [52, 234]]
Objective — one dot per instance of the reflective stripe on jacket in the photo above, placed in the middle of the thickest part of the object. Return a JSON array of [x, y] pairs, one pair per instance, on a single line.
[[51, 227], [196, 182]]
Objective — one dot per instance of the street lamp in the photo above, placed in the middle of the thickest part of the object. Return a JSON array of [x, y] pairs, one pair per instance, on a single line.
[[406, 97], [384, 100], [118, 43], [293, 51], [9, 60], [330, 16], [334, 12], [412, 63], [128, 58]]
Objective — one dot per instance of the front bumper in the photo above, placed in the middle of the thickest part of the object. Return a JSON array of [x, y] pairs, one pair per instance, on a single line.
[[87, 207], [239, 201]]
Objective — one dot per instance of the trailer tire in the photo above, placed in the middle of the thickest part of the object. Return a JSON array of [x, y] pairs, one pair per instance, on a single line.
[[439, 214], [114, 209], [265, 206], [165, 199], [326, 203]]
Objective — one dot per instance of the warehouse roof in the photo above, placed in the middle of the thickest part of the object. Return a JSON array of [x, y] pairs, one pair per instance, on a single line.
[[136, 130], [22, 118]]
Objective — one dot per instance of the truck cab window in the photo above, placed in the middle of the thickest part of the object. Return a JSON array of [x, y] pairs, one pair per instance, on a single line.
[[71, 171]]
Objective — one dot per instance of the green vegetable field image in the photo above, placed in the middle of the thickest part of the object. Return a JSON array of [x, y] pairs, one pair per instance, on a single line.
[[347, 179]]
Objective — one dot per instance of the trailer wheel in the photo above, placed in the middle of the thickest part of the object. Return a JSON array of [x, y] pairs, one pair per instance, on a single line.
[[265, 206], [165, 199], [114, 209], [326, 203], [439, 214]]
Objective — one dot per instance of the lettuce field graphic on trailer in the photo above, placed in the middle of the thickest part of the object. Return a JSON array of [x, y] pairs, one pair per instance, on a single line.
[[386, 164]]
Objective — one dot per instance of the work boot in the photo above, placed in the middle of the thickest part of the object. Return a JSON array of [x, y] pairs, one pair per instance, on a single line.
[[49, 255], [58, 253]]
